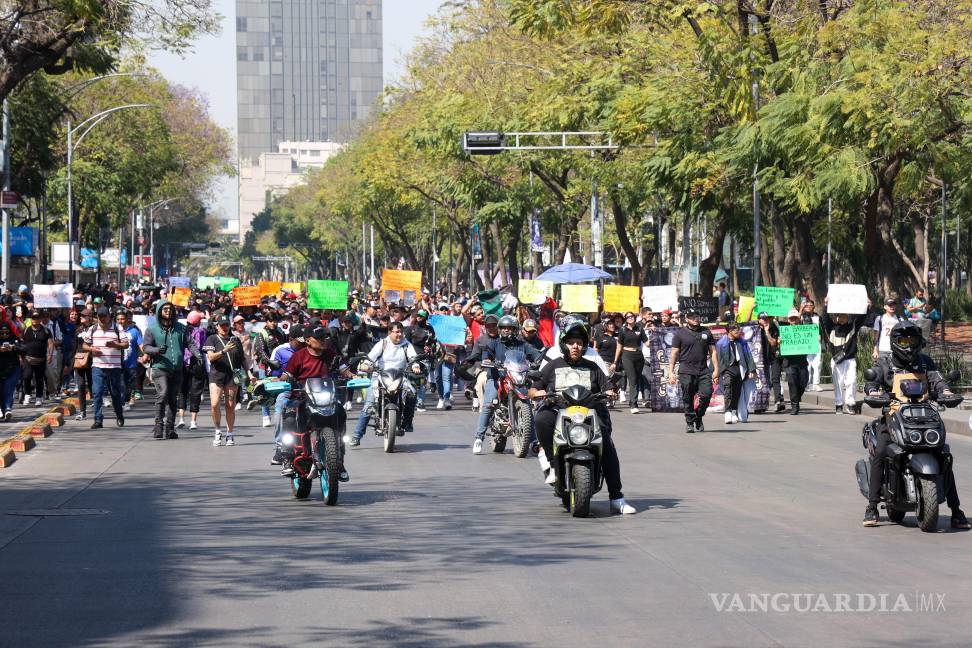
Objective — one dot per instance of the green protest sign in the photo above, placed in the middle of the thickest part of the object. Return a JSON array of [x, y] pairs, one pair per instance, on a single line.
[[205, 283], [328, 295], [799, 339], [227, 284], [774, 301]]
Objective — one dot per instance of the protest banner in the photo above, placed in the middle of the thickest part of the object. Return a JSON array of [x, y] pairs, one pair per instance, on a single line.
[[774, 301], [847, 298], [659, 298], [534, 291], [205, 283], [745, 308], [799, 339], [328, 295], [246, 296], [269, 288], [401, 280], [180, 282], [227, 284], [622, 299], [180, 297], [295, 287], [578, 298], [706, 307], [449, 329], [53, 295]]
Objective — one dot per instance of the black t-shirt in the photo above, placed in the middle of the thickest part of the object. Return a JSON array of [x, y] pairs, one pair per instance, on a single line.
[[557, 375], [631, 338], [224, 366], [35, 342], [695, 347], [607, 346], [770, 352]]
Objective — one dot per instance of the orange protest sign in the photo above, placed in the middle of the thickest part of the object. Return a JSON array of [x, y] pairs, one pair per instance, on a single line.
[[295, 287], [246, 296], [180, 297], [401, 280], [270, 288]]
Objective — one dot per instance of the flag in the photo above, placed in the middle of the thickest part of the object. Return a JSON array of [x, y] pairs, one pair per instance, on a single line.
[[477, 245], [491, 301], [536, 238]]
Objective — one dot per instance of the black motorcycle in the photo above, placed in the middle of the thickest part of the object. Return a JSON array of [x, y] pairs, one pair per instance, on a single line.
[[917, 457], [577, 448], [390, 396]]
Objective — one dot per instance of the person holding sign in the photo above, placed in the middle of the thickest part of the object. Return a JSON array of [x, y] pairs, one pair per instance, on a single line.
[[840, 332], [692, 347], [796, 366]]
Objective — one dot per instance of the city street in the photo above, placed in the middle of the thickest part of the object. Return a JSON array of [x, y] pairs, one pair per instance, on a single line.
[[108, 537]]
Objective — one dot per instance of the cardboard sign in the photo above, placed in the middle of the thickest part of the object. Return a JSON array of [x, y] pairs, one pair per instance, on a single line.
[[744, 312], [533, 291], [180, 297], [622, 299], [706, 307], [53, 295], [774, 301], [799, 339], [227, 284], [269, 288], [391, 296], [408, 296], [180, 282], [143, 322], [449, 329], [205, 283], [295, 287], [327, 295], [847, 298], [246, 296], [659, 298], [578, 298], [401, 280]]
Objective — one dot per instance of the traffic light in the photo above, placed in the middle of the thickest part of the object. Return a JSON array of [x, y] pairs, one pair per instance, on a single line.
[[483, 143]]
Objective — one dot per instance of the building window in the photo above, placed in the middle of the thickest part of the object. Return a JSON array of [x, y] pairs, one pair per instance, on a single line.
[[241, 54], [241, 24], [368, 15], [258, 54], [314, 152]]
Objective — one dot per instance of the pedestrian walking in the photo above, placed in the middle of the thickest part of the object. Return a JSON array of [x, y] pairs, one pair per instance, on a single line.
[[692, 348], [225, 354], [107, 344]]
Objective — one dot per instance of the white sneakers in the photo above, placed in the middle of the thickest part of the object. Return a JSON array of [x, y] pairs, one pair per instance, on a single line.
[[238, 406], [478, 446], [634, 410], [622, 397], [192, 425], [730, 417], [440, 404], [621, 507], [266, 420], [475, 404], [181, 423], [217, 437], [735, 416], [230, 440]]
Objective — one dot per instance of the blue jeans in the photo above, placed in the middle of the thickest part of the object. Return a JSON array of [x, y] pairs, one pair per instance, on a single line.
[[489, 395], [110, 379], [278, 412], [444, 380], [362, 424], [9, 389]]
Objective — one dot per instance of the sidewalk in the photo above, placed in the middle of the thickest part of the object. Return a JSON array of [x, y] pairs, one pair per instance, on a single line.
[[956, 420]]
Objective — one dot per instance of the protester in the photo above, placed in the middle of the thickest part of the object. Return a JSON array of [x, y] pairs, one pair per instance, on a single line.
[[736, 364], [38, 344], [107, 344], [225, 354]]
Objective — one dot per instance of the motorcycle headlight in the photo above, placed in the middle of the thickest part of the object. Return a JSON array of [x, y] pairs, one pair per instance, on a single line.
[[914, 436], [579, 435], [578, 418], [416, 368], [287, 439], [391, 384], [932, 437]]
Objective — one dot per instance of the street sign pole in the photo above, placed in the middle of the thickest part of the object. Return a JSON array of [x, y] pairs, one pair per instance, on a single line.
[[5, 268]]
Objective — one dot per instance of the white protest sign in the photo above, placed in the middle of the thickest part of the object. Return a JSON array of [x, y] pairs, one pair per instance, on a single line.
[[847, 298], [659, 298], [53, 296]]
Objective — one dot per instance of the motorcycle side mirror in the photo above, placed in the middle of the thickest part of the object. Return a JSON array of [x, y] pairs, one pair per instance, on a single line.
[[954, 375], [533, 375], [870, 375]]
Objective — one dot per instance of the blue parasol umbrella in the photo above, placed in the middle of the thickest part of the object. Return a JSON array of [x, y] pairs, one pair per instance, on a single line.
[[572, 273]]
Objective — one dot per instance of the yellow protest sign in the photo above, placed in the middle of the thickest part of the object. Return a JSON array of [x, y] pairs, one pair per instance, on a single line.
[[744, 311], [295, 287], [622, 299], [269, 288], [533, 291], [246, 296], [578, 299], [401, 280], [180, 297]]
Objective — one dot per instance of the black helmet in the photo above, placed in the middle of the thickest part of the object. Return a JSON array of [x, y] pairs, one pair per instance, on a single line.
[[508, 329], [906, 343], [573, 326]]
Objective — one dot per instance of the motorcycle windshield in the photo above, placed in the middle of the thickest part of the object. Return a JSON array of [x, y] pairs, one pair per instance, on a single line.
[[320, 391], [516, 365]]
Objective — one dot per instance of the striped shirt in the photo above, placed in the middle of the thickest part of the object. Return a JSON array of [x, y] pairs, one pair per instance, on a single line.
[[98, 338]]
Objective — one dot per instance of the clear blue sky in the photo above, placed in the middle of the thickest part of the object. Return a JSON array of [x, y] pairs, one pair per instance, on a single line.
[[211, 67]]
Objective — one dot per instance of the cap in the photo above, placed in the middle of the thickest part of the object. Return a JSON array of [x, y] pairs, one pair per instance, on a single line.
[[87, 312], [374, 305], [422, 313], [239, 318], [318, 333], [762, 315], [890, 301], [690, 313], [793, 313], [102, 310], [194, 318], [490, 319], [22, 288], [222, 319], [529, 325], [348, 317], [668, 311], [296, 331]]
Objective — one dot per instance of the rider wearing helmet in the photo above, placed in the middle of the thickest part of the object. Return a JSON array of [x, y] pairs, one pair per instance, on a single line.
[[570, 369], [493, 350], [905, 357]]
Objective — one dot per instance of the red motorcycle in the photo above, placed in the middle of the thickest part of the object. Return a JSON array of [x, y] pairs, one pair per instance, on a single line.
[[512, 413]]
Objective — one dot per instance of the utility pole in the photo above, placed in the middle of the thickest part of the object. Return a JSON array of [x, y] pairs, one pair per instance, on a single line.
[[830, 222], [432, 290], [372, 255], [754, 31], [5, 270]]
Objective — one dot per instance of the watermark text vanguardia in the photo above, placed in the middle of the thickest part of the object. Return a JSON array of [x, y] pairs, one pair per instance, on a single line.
[[833, 602]]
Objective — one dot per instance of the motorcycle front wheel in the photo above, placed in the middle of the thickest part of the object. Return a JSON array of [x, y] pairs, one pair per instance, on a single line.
[[581, 490], [522, 429], [391, 429], [300, 487], [330, 450], [928, 503]]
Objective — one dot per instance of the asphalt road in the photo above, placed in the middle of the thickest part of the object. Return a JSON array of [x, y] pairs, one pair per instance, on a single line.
[[180, 543]]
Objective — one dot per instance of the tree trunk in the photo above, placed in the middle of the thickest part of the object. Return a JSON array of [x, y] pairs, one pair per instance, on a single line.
[[621, 225], [812, 273], [780, 273], [878, 217], [500, 268], [710, 264]]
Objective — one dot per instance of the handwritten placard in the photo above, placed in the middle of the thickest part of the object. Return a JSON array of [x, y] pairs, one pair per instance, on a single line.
[[534, 291], [744, 312], [774, 301], [246, 296], [659, 298], [449, 329], [847, 298], [180, 297], [622, 299], [295, 287], [401, 280], [327, 295], [578, 298], [799, 339], [53, 295], [269, 288]]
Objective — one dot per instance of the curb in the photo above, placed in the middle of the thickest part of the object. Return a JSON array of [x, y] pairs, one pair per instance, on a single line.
[[40, 428], [7, 457]]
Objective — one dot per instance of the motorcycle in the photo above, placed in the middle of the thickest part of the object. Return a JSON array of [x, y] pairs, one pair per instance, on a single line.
[[577, 448], [314, 446], [917, 457], [389, 400], [512, 412]]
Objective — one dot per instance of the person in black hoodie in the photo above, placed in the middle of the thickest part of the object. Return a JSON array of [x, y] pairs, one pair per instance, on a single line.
[[10, 352]]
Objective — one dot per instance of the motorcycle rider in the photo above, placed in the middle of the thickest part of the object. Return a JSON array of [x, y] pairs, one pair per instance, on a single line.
[[421, 335], [905, 357], [574, 340], [494, 350], [392, 351]]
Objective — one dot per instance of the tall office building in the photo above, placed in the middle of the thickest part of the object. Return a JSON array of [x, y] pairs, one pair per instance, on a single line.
[[306, 70]]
